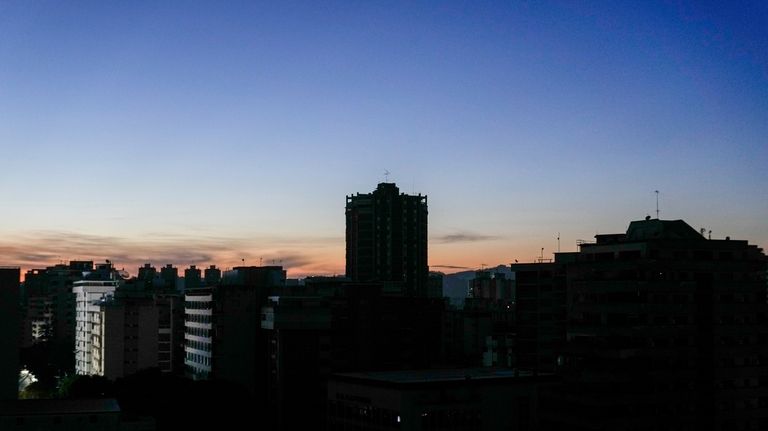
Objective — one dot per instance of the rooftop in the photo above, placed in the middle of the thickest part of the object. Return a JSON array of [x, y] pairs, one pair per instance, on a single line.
[[440, 375], [57, 407], [642, 230]]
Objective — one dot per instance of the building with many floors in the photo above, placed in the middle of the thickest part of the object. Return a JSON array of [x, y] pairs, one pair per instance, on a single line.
[[89, 295], [386, 235], [661, 328], [198, 332]]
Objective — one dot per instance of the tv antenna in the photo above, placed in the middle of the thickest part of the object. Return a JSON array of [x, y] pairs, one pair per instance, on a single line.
[[657, 204], [558, 242], [386, 176]]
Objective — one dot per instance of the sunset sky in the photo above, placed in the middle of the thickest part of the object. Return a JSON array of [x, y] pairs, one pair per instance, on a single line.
[[211, 132]]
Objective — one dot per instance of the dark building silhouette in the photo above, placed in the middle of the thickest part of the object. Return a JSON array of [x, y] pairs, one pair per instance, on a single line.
[[451, 399], [169, 275], [239, 352], [336, 325], [192, 278], [465, 331], [665, 330], [212, 275], [147, 272], [494, 286], [9, 332], [496, 292], [435, 284], [387, 239], [540, 314], [299, 340]]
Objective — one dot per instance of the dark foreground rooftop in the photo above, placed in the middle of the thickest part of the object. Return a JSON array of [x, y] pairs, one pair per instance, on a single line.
[[440, 376], [57, 407]]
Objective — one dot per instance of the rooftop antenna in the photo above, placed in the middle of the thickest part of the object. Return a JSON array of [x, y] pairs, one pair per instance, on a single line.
[[260, 262], [386, 176], [558, 242], [657, 204]]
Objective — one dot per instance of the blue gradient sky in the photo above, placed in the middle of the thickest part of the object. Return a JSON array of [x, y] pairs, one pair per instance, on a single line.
[[199, 132]]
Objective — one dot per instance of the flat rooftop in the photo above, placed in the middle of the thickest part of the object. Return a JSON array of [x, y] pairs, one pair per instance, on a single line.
[[58, 407], [441, 376]]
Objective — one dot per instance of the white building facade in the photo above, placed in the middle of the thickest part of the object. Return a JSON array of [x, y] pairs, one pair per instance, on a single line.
[[198, 331], [88, 295]]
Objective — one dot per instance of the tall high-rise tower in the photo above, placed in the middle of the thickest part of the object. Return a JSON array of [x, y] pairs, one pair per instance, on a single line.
[[387, 239]]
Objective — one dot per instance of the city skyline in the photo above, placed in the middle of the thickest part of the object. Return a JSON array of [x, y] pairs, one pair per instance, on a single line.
[[209, 135]]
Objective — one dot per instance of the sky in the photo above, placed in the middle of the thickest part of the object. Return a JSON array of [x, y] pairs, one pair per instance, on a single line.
[[230, 132]]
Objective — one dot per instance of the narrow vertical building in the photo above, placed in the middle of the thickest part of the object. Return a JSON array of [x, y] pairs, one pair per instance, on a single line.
[[387, 239], [88, 297], [198, 333], [9, 329]]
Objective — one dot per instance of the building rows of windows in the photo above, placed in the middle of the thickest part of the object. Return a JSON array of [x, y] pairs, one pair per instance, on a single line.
[[202, 346], [197, 332], [198, 318], [197, 359], [198, 305]]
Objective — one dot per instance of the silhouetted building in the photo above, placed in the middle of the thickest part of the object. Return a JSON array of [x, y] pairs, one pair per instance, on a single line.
[[239, 343], [300, 358], [387, 239], [9, 332], [344, 326], [435, 285], [147, 273], [212, 276], [466, 331], [665, 330], [460, 399], [540, 314], [192, 278], [169, 275], [493, 286]]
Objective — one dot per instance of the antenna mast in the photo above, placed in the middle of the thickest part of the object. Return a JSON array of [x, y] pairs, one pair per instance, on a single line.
[[386, 176], [657, 204]]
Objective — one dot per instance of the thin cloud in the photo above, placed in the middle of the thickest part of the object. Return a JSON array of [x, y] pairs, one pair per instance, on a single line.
[[464, 237], [449, 267]]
